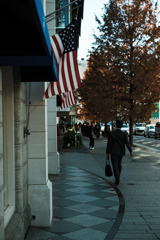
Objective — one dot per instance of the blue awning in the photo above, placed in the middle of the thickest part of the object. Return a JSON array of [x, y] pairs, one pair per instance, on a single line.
[[25, 40]]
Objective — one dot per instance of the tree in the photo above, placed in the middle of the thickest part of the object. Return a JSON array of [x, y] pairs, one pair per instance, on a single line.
[[93, 91], [127, 53]]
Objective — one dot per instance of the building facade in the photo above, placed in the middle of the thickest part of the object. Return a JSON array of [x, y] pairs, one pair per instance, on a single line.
[[15, 211], [28, 131]]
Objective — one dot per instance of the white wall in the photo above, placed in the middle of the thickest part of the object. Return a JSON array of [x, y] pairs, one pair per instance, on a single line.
[[53, 155], [40, 188]]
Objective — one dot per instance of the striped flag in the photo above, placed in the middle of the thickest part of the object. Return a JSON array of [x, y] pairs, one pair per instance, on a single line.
[[64, 47], [67, 99]]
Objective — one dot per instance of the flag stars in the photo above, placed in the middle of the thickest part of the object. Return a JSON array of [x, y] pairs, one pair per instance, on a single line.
[[68, 37]]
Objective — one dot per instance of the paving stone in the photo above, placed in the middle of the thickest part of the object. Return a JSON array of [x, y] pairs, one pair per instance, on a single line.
[[135, 236], [88, 206], [87, 233]]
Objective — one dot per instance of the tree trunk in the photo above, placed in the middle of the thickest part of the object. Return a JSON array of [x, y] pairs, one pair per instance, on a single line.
[[131, 132]]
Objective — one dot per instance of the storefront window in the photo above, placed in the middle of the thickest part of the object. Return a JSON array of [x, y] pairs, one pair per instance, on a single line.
[[62, 18]]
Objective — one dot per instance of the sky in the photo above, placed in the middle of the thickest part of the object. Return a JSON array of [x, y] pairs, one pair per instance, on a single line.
[[89, 25]]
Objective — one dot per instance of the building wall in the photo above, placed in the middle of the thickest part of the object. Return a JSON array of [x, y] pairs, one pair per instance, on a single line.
[[15, 214], [53, 155], [1, 164], [156, 115], [50, 7], [39, 186], [24, 158]]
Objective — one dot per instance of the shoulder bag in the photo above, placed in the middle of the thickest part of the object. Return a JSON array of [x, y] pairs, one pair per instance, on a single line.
[[108, 169]]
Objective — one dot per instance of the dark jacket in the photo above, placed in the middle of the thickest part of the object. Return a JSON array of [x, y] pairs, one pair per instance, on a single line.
[[117, 140], [91, 132]]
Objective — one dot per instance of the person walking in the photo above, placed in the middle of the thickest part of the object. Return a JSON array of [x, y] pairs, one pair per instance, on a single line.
[[107, 130], [97, 130], [117, 140], [91, 135]]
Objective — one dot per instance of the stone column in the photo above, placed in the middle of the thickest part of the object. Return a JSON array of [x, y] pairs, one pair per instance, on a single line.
[[1, 165], [53, 155], [40, 188]]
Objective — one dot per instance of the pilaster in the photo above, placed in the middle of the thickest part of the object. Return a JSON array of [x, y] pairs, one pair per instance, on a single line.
[[53, 155], [40, 188]]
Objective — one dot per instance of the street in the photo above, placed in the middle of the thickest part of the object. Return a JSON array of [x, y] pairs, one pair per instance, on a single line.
[[152, 143]]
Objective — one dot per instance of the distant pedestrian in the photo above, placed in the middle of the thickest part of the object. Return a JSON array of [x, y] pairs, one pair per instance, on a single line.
[[91, 135], [107, 130], [76, 127], [117, 140], [97, 130], [85, 129], [79, 126]]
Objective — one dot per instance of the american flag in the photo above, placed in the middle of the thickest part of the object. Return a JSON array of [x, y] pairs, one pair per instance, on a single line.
[[64, 47], [67, 99]]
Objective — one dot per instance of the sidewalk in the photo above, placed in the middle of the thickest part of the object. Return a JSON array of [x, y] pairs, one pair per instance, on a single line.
[[89, 207]]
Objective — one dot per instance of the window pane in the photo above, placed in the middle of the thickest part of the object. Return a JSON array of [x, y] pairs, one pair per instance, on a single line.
[[62, 17]]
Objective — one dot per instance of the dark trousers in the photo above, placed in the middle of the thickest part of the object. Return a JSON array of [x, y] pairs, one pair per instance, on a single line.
[[91, 143], [117, 166]]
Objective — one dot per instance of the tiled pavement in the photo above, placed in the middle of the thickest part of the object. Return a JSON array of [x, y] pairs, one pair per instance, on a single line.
[[85, 207], [88, 206]]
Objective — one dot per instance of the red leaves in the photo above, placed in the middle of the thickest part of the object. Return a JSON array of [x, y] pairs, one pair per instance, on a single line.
[[123, 70]]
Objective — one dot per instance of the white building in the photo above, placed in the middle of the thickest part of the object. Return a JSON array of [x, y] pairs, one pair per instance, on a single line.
[[28, 139], [82, 65]]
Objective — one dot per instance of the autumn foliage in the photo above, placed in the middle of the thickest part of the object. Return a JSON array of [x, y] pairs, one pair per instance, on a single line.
[[123, 74]]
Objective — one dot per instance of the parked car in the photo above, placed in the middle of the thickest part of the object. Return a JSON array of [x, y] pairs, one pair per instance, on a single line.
[[133, 127], [149, 131], [139, 129], [112, 125], [102, 128], [125, 128], [157, 130]]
